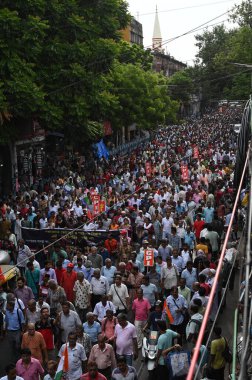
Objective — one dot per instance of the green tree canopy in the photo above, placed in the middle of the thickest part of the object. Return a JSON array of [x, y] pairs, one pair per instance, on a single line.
[[180, 86], [141, 97], [214, 76], [53, 57]]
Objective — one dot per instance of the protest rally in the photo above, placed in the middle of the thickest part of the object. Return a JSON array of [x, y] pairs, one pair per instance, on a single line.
[[125, 190], [100, 263]]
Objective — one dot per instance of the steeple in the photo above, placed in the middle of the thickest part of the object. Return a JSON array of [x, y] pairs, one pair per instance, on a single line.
[[157, 38]]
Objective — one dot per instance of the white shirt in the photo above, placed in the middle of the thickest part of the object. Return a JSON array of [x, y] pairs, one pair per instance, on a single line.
[[23, 256], [192, 327], [36, 264], [122, 292], [44, 304], [43, 223], [76, 356], [100, 310], [16, 378], [78, 211], [167, 223], [99, 286]]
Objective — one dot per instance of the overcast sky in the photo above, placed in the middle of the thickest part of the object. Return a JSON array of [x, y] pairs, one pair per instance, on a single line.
[[174, 22]]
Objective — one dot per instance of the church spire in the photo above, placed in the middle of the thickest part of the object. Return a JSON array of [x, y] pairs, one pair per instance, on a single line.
[[157, 38]]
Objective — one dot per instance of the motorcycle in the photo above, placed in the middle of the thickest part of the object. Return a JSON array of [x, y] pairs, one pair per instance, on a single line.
[[149, 351]]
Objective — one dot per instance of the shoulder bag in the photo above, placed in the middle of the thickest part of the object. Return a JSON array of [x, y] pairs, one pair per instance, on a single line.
[[227, 355], [120, 299]]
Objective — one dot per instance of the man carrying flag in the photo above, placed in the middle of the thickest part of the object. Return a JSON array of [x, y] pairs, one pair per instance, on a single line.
[[167, 313], [73, 359]]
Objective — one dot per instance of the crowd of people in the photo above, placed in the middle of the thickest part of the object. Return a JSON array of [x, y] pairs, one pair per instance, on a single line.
[[92, 302]]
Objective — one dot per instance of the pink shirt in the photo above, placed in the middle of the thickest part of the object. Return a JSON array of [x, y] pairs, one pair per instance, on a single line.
[[141, 309], [33, 371], [108, 327], [124, 339], [104, 358]]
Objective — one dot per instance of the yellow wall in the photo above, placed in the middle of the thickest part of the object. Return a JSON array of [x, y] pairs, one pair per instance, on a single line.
[[126, 34]]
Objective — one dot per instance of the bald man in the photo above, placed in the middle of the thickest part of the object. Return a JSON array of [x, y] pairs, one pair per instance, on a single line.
[[35, 342]]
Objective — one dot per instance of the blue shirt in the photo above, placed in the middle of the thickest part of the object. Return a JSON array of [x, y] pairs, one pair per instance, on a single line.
[[178, 261], [108, 273], [140, 259], [175, 304], [12, 321], [88, 273], [149, 292], [164, 252], [190, 277], [165, 341], [92, 330], [79, 269], [208, 214], [175, 241], [189, 239]]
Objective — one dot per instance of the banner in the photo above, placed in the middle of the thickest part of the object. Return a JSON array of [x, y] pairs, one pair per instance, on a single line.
[[96, 203], [148, 169], [102, 150], [148, 257], [195, 152], [184, 173], [45, 236], [102, 206], [107, 129]]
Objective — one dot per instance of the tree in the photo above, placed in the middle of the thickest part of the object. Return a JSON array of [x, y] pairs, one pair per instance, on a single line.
[[135, 54], [242, 14], [140, 97], [180, 86], [54, 54], [214, 74]]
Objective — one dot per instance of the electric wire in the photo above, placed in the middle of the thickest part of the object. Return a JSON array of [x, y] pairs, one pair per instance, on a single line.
[[127, 61], [98, 215], [189, 7], [94, 218]]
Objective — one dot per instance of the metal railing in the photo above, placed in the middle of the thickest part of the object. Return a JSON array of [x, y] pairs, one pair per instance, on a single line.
[[190, 375], [128, 147]]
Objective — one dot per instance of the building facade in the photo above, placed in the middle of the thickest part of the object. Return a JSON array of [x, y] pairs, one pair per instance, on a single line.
[[165, 64], [133, 33]]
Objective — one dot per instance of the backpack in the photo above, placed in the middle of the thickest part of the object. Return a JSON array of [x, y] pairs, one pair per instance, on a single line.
[[227, 354], [197, 323]]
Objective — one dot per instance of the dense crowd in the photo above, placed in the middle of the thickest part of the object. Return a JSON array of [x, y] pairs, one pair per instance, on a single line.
[[99, 300]]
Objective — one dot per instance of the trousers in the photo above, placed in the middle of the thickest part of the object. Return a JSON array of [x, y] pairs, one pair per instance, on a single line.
[[139, 330]]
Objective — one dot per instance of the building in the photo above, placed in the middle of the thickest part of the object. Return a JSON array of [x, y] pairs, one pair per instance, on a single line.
[[165, 64], [162, 62], [157, 37], [133, 33]]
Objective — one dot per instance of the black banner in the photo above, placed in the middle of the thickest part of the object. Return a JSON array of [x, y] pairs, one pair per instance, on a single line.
[[45, 236]]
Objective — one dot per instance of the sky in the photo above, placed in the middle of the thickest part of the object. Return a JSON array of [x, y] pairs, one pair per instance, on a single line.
[[174, 22]]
